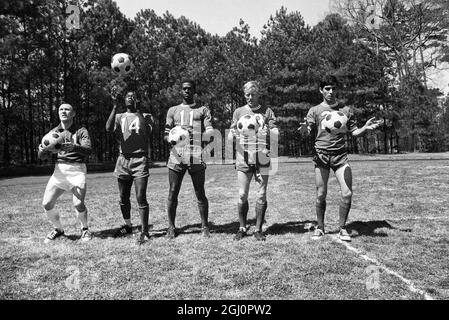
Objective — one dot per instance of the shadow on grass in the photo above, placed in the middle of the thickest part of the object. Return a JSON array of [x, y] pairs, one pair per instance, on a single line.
[[291, 227], [368, 228], [229, 228]]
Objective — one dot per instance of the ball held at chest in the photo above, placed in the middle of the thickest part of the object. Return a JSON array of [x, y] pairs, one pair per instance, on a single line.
[[53, 141], [249, 125], [178, 136], [335, 122]]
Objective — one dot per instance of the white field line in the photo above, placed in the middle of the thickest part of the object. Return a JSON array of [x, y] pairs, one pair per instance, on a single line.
[[408, 282], [419, 218]]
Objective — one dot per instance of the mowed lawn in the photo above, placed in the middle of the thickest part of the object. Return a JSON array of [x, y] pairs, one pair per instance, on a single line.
[[399, 219]]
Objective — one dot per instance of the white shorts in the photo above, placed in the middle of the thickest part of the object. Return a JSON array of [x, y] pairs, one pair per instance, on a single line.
[[69, 175]]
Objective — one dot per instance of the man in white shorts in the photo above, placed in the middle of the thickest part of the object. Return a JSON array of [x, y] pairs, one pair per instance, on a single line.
[[70, 172]]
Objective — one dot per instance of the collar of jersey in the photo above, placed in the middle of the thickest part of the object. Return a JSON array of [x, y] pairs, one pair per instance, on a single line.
[[330, 106], [256, 108], [189, 105]]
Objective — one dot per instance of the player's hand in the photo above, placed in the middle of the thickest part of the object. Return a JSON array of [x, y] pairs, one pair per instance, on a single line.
[[371, 124], [234, 133], [262, 132], [114, 93], [41, 149], [44, 154], [303, 128], [67, 146]]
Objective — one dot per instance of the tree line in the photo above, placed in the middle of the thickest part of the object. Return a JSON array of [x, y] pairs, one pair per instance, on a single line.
[[382, 71]]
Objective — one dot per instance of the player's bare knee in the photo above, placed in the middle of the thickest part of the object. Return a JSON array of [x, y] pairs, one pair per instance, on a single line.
[[346, 195], [261, 197], [321, 195], [141, 198], [79, 206]]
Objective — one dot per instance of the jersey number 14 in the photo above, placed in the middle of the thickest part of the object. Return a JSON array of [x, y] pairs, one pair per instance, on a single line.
[[135, 125]]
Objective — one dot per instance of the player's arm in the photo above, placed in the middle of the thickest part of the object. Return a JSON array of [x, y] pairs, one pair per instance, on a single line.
[[371, 124], [207, 123], [308, 124], [169, 123], [233, 132], [272, 123], [110, 123], [149, 122], [84, 147], [42, 153]]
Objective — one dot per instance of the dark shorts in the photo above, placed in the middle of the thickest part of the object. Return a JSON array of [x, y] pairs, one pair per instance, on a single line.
[[243, 164], [329, 160], [131, 167], [181, 167]]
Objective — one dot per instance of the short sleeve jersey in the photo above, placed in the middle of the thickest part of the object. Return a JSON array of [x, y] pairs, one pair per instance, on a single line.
[[269, 120], [134, 130], [78, 135], [189, 117], [266, 112], [324, 140]]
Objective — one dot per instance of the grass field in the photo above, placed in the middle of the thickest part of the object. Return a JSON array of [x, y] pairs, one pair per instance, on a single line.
[[399, 222]]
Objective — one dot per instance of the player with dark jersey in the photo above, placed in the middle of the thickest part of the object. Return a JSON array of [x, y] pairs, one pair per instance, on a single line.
[[252, 158], [330, 153], [69, 174], [197, 120], [133, 129]]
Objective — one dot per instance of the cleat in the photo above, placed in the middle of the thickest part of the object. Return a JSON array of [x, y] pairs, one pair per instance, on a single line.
[[343, 235], [240, 235], [259, 236], [318, 234], [205, 232], [171, 233], [54, 235], [86, 235], [143, 237], [123, 231]]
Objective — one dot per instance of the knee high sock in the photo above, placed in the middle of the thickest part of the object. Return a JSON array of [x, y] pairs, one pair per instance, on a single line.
[[171, 211], [344, 212], [82, 217], [261, 208], [203, 207], [243, 213], [320, 211], [144, 213]]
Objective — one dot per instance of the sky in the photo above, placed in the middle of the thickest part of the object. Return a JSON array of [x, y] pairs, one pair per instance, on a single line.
[[220, 16]]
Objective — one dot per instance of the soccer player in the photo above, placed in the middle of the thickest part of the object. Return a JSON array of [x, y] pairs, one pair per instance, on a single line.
[[197, 120], [330, 153], [247, 168], [134, 130], [69, 174]]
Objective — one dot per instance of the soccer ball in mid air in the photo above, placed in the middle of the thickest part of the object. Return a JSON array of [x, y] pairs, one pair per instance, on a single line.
[[178, 136], [121, 64], [335, 122], [249, 125], [52, 142]]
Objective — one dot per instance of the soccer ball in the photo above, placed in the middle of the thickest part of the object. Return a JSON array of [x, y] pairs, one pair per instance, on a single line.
[[249, 125], [335, 122], [178, 136], [52, 142], [121, 64]]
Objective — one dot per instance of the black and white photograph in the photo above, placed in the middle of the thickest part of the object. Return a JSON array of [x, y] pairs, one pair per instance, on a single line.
[[224, 156]]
